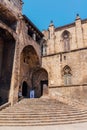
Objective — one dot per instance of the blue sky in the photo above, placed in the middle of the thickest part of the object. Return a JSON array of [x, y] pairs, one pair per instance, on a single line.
[[62, 12]]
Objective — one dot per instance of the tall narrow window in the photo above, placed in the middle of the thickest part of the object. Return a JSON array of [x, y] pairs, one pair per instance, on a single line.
[[66, 40], [48, 34], [44, 49], [34, 36], [67, 75]]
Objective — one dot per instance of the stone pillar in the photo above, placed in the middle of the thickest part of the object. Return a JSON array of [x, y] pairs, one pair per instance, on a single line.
[[14, 89], [79, 33], [13, 96], [51, 30], [1, 54], [51, 41]]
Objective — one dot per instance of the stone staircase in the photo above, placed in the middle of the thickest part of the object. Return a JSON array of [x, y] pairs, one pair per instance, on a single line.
[[38, 112]]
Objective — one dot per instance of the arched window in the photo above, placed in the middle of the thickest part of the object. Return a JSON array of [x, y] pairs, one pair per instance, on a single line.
[[66, 40], [67, 75]]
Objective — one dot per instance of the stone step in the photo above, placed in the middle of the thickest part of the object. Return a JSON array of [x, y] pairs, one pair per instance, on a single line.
[[31, 109], [42, 113], [44, 119], [28, 108], [40, 123], [36, 117], [59, 108], [30, 112], [53, 106], [41, 110]]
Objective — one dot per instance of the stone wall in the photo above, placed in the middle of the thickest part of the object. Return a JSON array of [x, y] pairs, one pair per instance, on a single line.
[[73, 95], [77, 61], [84, 26], [27, 58], [15, 69], [78, 37], [75, 58]]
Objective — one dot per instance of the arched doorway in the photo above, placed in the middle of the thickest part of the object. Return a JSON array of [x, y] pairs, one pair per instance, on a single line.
[[40, 82], [7, 49], [24, 89], [28, 62], [44, 85]]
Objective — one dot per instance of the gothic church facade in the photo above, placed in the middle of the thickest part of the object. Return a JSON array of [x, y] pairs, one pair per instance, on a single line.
[[65, 59], [51, 63]]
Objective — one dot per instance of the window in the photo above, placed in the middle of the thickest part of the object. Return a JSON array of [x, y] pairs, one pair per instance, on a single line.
[[66, 40], [67, 75], [34, 36], [44, 49], [48, 34]]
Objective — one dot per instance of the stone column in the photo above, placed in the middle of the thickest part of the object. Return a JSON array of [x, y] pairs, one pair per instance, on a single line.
[[1, 54], [51, 41], [13, 95], [79, 33]]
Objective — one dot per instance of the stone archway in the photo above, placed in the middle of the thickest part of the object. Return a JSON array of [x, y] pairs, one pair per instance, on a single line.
[[7, 49], [28, 62], [40, 82]]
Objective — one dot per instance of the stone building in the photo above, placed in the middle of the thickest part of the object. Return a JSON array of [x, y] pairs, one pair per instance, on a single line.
[[65, 59], [20, 55], [34, 63]]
